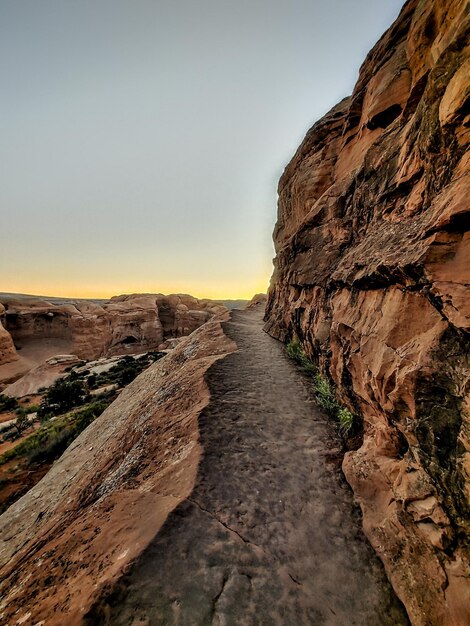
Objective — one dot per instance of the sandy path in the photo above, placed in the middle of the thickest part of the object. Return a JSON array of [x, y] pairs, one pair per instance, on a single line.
[[270, 534]]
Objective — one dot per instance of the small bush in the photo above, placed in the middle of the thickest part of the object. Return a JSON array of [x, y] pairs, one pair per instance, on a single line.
[[63, 395], [297, 354], [127, 375], [325, 395], [10, 434], [346, 421], [53, 437], [7, 403], [92, 381], [22, 421]]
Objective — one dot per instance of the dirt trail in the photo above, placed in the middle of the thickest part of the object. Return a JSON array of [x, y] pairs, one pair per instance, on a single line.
[[270, 534]]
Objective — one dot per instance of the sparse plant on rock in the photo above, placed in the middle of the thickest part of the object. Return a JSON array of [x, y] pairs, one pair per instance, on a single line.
[[22, 421], [323, 390], [346, 421], [325, 395], [7, 403], [297, 354]]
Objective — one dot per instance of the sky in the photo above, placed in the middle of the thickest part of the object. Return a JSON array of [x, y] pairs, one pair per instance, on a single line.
[[141, 141]]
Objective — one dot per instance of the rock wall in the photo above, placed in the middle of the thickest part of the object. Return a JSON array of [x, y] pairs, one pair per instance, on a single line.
[[131, 324], [372, 274]]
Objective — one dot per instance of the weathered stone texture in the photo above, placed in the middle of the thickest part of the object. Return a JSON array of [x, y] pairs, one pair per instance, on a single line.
[[7, 347], [372, 273], [124, 324]]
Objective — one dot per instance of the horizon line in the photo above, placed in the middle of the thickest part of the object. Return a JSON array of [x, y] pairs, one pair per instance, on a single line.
[[117, 295]]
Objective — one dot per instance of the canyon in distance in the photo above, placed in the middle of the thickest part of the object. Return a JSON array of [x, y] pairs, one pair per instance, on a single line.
[[302, 458]]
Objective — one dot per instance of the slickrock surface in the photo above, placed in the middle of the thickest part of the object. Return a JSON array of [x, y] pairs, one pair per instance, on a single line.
[[372, 274], [42, 376], [124, 324], [269, 534], [105, 499]]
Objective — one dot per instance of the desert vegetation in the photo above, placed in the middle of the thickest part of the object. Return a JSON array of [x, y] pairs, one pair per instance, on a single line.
[[40, 433], [324, 391], [53, 436], [7, 403]]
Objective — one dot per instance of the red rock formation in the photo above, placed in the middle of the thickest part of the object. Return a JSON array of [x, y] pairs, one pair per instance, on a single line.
[[7, 347], [257, 301], [372, 273], [131, 324]]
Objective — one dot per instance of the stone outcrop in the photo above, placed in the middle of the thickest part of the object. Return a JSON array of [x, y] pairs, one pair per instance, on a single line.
[[124, 324], [258, 301], [7, 347], [105, 499], [372, 274], [42, 376]]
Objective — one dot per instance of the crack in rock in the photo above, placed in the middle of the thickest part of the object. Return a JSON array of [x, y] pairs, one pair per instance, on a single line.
[[225, 580], [256, 547], [231, 530]]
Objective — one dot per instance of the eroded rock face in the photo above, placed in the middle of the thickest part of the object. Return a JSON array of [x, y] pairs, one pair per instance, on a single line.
[[372, 273], [7, 347], [124, 324]]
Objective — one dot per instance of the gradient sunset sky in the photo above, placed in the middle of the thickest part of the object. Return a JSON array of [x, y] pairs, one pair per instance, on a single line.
[[142, 140]]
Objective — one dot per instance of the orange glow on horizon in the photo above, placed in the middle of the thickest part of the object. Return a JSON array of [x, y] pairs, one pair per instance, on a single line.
[[99, 292]]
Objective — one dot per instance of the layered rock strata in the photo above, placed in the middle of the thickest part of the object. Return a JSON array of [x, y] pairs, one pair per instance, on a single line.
[[124, 324], [372, 274]]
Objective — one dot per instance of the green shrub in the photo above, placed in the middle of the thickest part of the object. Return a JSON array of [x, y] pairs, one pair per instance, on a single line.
[[63, 395], [22, 421], [10, 434], [127, 375], [54, 436], [92, 381], [325, 395], [297, 354], [7, 403], [327, 400], [346, 421]]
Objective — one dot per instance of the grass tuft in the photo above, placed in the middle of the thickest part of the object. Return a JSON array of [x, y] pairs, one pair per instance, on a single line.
[[346, 421], [323, 390], [325, 395], [297, 354]]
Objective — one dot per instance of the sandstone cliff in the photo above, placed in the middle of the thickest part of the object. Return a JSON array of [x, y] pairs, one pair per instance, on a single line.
[[372, 274], [7, 347], [105, 499], [124, 324]]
